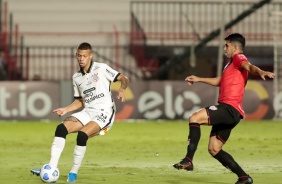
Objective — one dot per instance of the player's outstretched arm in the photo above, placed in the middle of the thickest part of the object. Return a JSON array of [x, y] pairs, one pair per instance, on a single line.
[[123, 85], [211, 81], [254, 70], [77, 104]]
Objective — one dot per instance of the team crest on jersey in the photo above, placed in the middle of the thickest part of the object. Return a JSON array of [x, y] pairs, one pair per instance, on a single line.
[[95, 77], [214, 108]]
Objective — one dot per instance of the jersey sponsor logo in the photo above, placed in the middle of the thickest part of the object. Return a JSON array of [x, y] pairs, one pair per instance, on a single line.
[[214, 108], [110, 72], [89, 90], [89, 97]]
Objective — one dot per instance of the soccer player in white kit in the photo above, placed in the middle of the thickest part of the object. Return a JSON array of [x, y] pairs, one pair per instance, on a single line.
[[93, 95]]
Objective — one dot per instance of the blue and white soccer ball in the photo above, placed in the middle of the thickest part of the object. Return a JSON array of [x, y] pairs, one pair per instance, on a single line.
[[49, 174]]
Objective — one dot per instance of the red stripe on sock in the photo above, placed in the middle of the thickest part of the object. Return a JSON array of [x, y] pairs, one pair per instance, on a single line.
[[243, 176], [197, 126], [189, 159]]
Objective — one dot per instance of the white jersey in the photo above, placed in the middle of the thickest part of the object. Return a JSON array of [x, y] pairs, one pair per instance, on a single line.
[[94, 86]]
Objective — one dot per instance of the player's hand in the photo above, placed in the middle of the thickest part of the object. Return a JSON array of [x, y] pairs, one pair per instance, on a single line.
[[120, 95], [191, 79], [264, 74], [60, 111]]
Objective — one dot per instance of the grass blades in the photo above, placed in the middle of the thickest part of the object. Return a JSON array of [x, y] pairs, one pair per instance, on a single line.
[[142, 153]]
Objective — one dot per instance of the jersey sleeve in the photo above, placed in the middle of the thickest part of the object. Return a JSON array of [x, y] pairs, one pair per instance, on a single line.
[[76, 92], [239, 60], [110, 73]]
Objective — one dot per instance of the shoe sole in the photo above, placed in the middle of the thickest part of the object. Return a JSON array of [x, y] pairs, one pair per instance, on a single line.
[[249, 181], [34, 173], [70, 181], [183, 167]]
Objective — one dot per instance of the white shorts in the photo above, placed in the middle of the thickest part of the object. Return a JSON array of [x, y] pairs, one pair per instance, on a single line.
[[104, 118]]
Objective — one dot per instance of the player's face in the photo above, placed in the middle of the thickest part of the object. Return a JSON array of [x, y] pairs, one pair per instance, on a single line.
[[84, 58], [229, 49]]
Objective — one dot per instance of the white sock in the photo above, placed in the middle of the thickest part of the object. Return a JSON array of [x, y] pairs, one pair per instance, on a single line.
[[79, 152], [56, 150]]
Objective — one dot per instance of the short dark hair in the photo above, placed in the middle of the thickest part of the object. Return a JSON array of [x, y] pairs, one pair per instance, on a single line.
[[84, 46], [236, 37]]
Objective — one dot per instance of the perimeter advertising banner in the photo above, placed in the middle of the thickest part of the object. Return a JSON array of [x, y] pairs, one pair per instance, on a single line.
[[145, 100], [177, 100], [28, 100]]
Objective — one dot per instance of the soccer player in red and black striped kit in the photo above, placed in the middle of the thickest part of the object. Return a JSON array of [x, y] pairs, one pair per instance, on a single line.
[[224, 116]]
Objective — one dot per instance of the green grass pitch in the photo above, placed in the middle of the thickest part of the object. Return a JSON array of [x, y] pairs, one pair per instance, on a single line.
[[142, 153]]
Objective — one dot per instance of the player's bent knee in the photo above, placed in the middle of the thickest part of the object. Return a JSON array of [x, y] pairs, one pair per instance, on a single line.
[[214, 146], [192, 118], [61, 131], [195, 117], [200, 117], [213, 150], [81, 139]]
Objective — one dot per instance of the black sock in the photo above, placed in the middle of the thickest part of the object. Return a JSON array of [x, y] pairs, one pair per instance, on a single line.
[[193, 139], [227, 161]]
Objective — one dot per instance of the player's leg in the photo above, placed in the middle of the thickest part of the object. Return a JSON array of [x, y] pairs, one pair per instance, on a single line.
[[195, 120], [89, 130], [70, 125], [101, 123], [80, 119], [219, 135], [215, 149]]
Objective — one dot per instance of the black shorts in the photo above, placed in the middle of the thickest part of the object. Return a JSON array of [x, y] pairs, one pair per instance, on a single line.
[[223, 118]]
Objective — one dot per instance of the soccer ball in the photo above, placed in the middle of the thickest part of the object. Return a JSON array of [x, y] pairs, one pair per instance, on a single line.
[[49, 174]]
